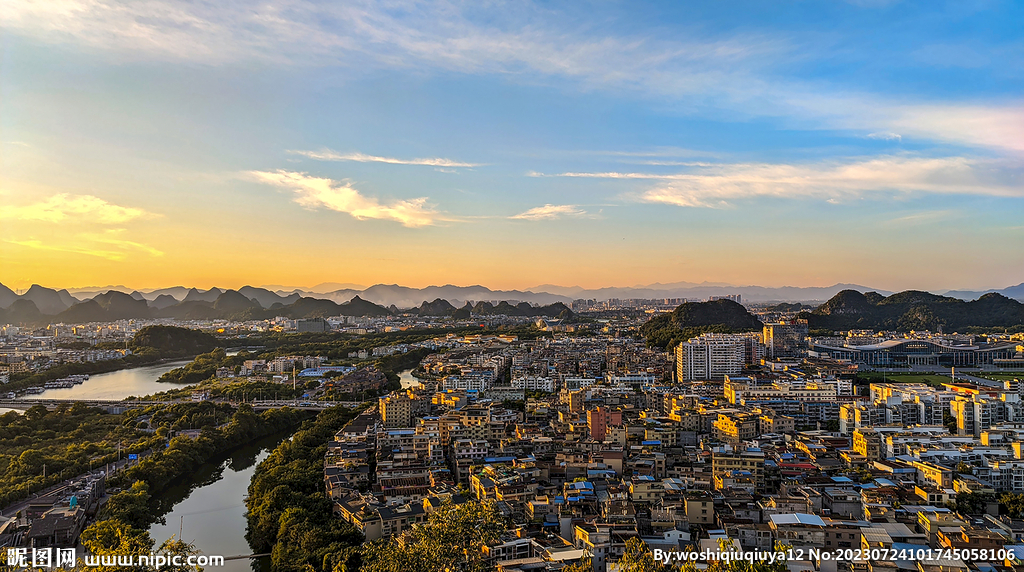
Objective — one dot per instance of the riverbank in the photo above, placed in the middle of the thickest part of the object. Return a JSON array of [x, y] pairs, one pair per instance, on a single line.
[[287, 504]]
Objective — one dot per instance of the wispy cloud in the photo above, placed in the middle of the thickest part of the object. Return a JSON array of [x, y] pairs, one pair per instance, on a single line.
[[113, 237], [550, 212], [924, 217], [105, 245], [329, 155], [717, 185], [64, 207], [885, 136], [317, 192]]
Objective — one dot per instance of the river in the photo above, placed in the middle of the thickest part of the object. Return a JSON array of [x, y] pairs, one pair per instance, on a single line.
[[407, 379], [117, 385], [210, 506]]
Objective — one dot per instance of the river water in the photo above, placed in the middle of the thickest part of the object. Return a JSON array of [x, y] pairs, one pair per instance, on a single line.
[[210, 507], [117, 385], [406, 379]]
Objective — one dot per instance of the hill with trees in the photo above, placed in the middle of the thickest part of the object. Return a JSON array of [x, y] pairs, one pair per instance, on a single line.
[[172, 341], [695, 318], [914, 310]]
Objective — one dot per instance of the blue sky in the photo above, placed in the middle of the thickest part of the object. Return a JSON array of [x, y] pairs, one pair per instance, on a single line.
[[512, 144]]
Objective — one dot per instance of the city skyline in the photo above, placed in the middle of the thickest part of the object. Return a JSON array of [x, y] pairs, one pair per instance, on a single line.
[[161, 144]]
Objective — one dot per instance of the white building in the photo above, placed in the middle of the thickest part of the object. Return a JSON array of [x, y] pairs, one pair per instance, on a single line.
[[535, 383], [711, 356]]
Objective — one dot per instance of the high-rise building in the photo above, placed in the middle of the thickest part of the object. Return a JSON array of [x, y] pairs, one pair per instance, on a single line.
[[785, 338], [711, 356]]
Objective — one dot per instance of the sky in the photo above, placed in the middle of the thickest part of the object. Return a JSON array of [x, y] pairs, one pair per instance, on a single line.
[[154, 143]]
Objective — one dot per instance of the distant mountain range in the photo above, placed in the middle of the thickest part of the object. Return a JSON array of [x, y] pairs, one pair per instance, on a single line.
[[44, 305], [118, 302]]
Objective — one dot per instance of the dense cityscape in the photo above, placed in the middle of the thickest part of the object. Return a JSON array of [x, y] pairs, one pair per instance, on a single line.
[[586, 443]]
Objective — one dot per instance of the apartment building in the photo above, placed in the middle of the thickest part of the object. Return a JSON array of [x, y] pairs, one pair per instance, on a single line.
[[710, 356]]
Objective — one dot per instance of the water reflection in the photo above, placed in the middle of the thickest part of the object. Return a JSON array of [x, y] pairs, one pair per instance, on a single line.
[[209, 508], [117, 385], [407, 380]]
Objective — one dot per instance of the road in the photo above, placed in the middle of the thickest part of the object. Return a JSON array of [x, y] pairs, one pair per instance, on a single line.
[[978, 380], [54, 491]]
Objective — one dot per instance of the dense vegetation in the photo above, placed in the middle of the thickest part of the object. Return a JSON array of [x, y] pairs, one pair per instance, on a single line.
[[289, 515], [914, 310], [696, 318], [237, 390], [172, 341], [69, 440], [113, 538]]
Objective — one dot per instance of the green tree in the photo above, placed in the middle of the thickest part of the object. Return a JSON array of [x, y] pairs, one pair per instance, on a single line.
[[453, 539], [131, 506], [1012, 504], [114, 538], [973, 503], [949, 422], [639, 558]]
